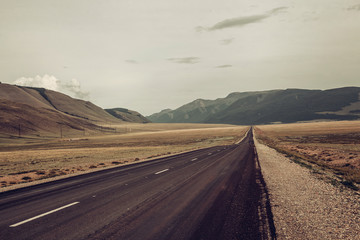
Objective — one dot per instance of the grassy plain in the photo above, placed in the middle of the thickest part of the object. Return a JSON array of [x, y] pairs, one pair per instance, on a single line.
[[28, 159], [322, 146]]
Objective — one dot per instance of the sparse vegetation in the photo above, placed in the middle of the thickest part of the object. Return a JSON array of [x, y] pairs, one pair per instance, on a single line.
[[40, 172], [42, 159], [325, 148], [349, 184]]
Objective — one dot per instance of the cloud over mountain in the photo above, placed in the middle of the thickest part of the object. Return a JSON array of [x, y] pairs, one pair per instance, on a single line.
[[50, 82]]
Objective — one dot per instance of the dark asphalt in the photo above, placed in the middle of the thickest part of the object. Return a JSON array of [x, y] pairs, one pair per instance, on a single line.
[[213, 193]]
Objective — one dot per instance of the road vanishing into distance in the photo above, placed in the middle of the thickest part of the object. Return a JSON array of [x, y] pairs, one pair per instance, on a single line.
[[213, 193]]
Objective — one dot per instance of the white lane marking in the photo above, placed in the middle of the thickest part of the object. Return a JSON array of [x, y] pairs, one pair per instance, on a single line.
[[44, 214], [209, 153], [194, 159], [162, 171]]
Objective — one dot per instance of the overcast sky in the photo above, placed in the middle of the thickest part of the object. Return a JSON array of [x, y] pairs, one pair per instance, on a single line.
[[152, 55]]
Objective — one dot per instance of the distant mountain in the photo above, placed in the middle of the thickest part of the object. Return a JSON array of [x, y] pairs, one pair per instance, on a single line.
[[127, 115], [286, 106], [34, 111], [199, 110]]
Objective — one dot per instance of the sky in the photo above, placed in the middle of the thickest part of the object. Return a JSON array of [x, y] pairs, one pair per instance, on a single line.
[[158, 54]]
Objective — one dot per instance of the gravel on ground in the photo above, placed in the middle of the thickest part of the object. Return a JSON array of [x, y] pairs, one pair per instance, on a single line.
[[304, 206]]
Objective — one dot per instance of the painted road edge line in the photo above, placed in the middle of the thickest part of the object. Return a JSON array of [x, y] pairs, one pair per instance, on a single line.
[[194, 159], [44, 214], [162, 171]]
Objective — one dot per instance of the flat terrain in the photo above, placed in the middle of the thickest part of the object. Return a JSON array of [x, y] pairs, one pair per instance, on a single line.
[[26, 159], [212, 193], [326, 147]]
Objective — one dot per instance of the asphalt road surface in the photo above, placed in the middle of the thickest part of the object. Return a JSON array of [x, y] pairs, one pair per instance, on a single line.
[[213, 193]]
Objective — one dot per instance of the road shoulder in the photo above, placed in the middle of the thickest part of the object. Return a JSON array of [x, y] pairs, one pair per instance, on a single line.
[[303, 206]]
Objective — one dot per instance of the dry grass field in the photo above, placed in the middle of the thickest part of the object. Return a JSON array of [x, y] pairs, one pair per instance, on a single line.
[[28, 159], [322, 146]]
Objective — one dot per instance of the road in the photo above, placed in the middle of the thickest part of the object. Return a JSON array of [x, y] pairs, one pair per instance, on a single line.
[[213, 193]]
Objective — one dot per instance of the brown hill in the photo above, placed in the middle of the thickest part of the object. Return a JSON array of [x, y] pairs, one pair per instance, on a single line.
[[76, 107], [23, 95], [18, 119], [127, 115], [38, 112]]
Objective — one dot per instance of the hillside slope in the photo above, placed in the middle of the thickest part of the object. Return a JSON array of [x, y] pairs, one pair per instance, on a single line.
[[290, 105], [38, 111], [199, 110], [76, 107], [23, 95], [127, 115], [18, 119]]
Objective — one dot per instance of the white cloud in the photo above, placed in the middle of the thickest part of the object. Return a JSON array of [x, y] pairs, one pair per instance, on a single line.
[[75, 87], [72, 87], [47, 81]]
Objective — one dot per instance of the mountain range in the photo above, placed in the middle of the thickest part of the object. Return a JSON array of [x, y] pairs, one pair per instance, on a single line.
[[264, 107], [35, 111]]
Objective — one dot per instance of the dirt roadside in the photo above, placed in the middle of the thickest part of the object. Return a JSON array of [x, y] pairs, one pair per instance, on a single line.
[[305, 207]]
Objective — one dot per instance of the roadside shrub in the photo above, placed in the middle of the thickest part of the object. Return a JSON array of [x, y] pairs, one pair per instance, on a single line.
[[52, 173], [349, 184]]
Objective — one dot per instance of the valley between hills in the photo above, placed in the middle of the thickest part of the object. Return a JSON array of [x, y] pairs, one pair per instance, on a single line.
[[46, 136]]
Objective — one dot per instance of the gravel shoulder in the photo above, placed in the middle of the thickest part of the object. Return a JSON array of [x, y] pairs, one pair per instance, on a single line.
[[305, 207]]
